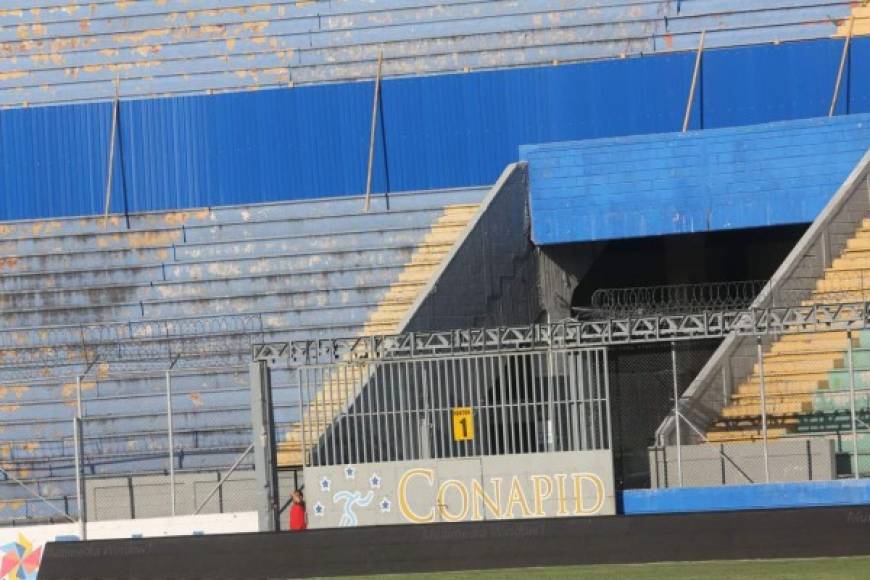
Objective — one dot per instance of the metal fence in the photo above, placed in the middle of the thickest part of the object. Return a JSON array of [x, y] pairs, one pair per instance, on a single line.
[[130, 420], [801, 413], [159, 451], [454, 406]]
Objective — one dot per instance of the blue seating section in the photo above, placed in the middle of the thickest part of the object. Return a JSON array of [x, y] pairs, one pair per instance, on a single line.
[[296, 270], [74, 50]]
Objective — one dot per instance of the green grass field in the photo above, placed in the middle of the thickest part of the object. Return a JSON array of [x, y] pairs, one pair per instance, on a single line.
[[816, 569]]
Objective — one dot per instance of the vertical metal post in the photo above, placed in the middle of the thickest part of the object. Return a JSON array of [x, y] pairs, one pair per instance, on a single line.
[[111, 168], [606, 371], [843, 57], [551, 403], [852, 408], [171, 443], [695, 72], [263, 423], [80, 492], [763, 411], [677, 413], [375, 100], [79, 396], [302, 422]]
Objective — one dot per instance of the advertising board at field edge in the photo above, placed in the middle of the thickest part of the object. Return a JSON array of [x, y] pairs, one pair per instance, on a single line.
[[559, 484]]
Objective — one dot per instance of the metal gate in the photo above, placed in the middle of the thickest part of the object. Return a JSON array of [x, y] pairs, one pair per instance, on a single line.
[[454, 406]]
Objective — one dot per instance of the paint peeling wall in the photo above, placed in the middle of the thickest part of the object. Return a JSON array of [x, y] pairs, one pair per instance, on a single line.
[[63, 51], [746, 177]]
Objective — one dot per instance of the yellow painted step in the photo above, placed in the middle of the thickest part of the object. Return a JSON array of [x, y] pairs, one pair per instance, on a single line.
[[790, 389], [858, 243], [833, 297], [743, 435], [784, 379], [773, 409], [851, 261], [796, 367]]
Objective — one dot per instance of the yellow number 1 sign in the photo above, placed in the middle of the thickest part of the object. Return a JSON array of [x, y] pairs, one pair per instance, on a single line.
[[463, 424]]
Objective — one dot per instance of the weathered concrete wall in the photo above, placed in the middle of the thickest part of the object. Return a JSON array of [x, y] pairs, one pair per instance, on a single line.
[[743, 177], [148, 496], [811, 459], [491, 279]]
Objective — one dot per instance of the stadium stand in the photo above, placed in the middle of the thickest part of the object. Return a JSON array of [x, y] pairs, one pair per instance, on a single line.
[[73, 51], [297, 270], [806, 377]]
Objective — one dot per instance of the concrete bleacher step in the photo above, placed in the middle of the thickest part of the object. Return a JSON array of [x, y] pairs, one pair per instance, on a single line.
[[804, 375], [340, 279], [233, 305], [726, 436], [26, 430], [228, 249], [340, 316], [747, 408], [840, 401], [303, 271], [163, 239], [243, 267], [406, 202]]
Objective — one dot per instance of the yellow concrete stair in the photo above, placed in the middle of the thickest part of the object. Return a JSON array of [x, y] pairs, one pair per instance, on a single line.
[[788, 392], [796, 366], [338, 392]]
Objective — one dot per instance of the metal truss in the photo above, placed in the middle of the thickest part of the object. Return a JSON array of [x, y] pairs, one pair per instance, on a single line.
[[570, 334]]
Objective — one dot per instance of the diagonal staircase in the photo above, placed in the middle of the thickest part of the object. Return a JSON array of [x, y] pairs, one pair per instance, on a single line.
[[806, 376], [338, 391]]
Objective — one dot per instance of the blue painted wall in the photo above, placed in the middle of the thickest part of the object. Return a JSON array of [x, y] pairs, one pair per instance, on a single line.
[[436, 131], [746, 497], [761, 175]]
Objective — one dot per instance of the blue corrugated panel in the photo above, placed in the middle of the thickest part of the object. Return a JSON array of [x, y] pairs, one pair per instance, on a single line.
[[762, 175], [746, 497], [72, 51], [441, 131]]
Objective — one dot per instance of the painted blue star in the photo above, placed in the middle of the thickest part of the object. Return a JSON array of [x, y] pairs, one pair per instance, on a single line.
[[319, 509], [375, 480], [385, 505], [325, 483], [350, 472]]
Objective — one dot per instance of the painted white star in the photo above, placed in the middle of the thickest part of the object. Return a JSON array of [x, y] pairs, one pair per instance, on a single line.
[[319, 510], [385, 505], [375, 480], [325, 483], [350, 472]]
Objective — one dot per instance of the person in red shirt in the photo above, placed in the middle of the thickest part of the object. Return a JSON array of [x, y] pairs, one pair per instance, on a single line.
[[298, 519]]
